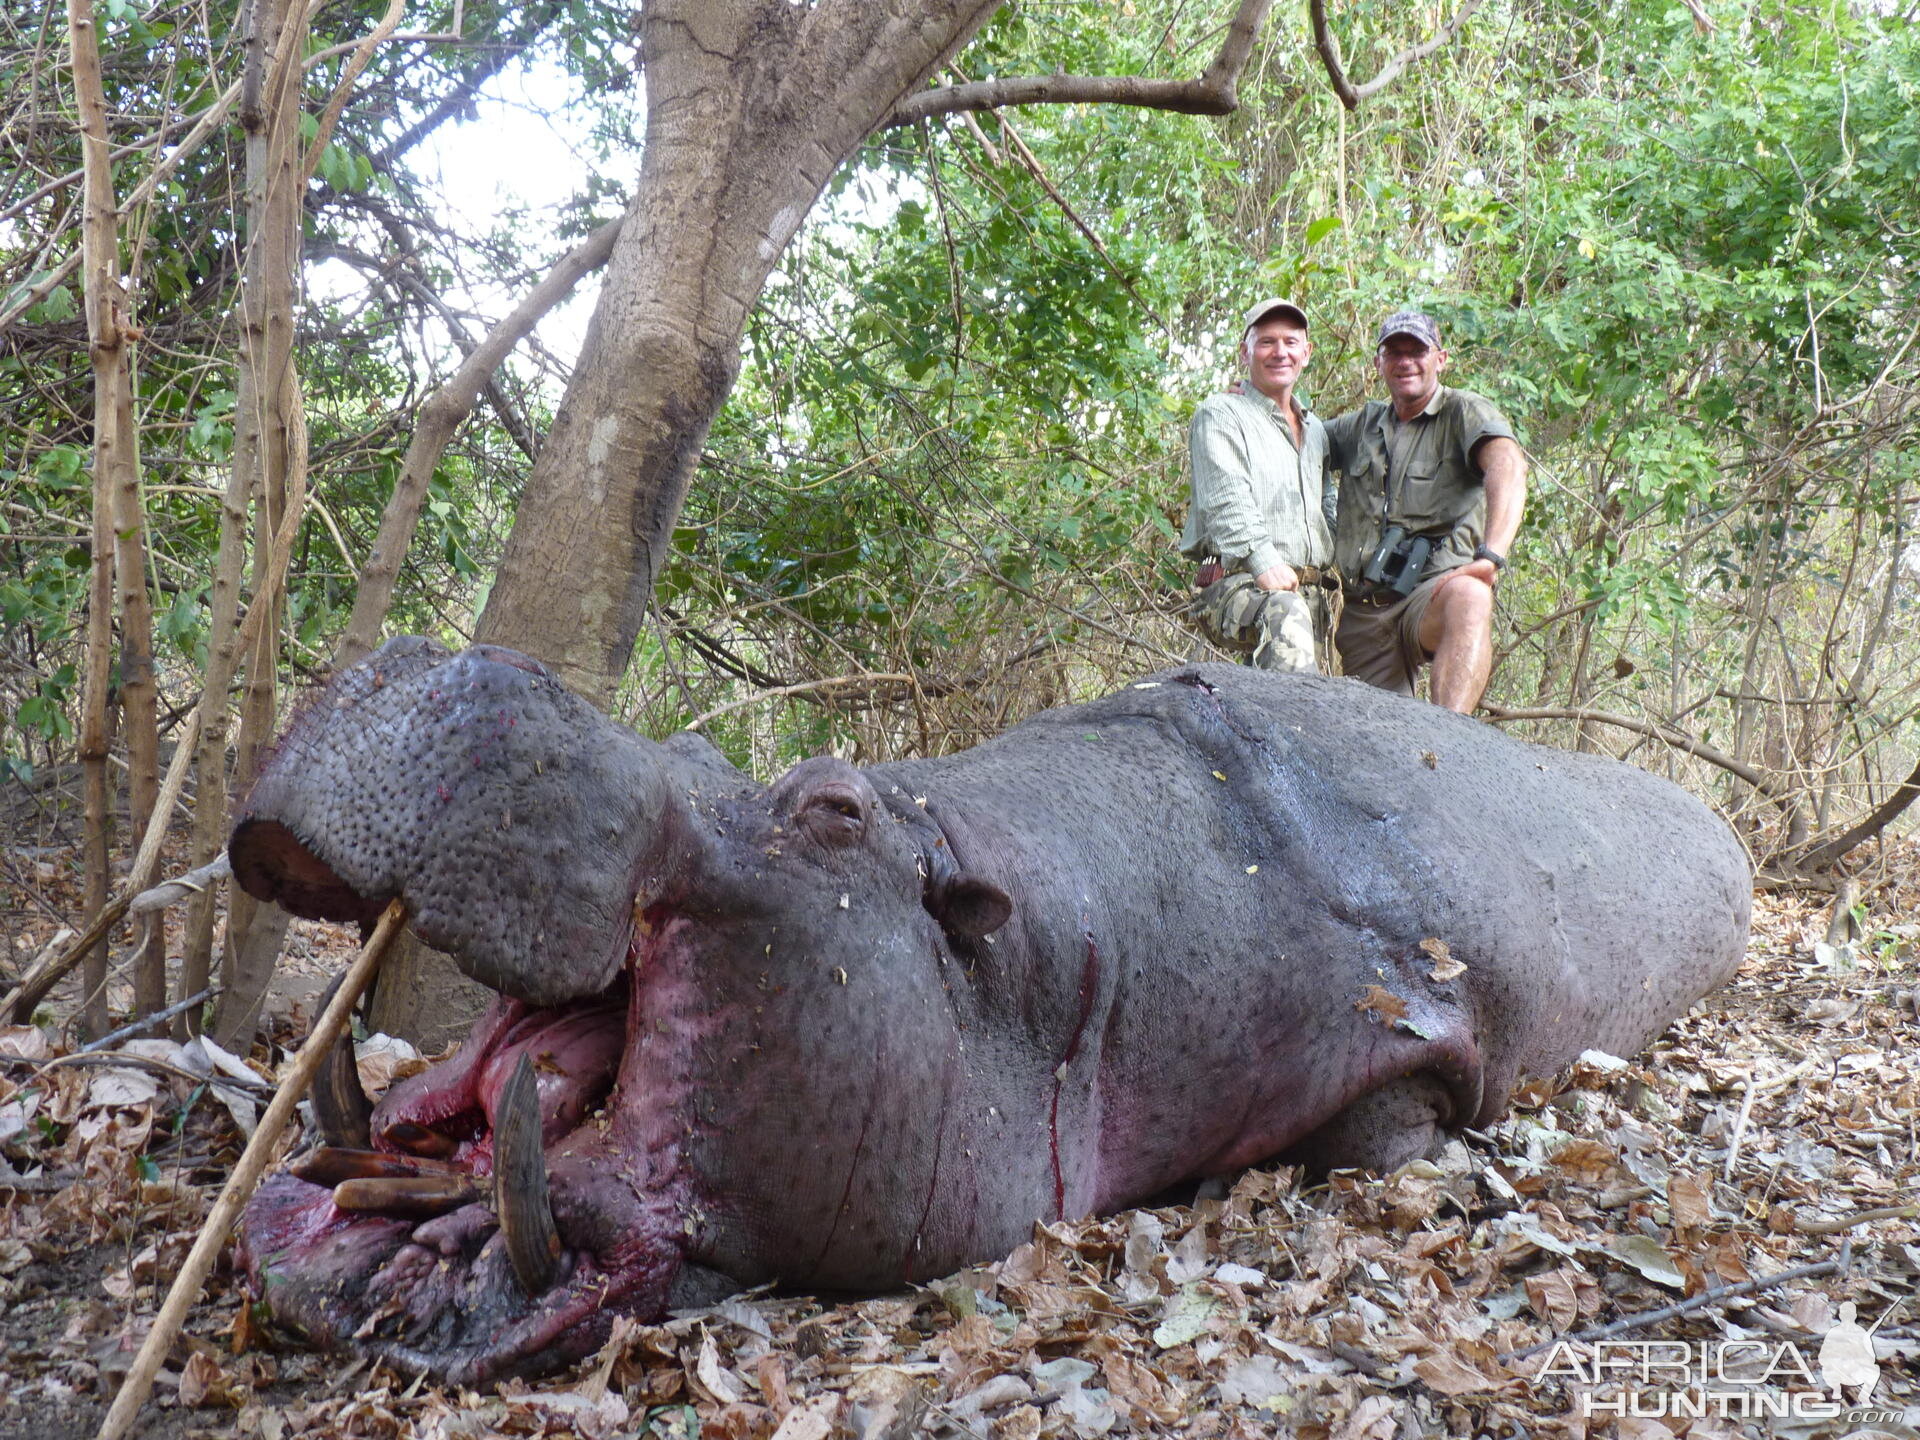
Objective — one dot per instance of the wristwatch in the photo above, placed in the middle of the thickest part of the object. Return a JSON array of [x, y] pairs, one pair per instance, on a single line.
[[1481, 552]]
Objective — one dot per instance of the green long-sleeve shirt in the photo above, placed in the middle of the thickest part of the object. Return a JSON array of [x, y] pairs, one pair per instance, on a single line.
[[1257, 500]]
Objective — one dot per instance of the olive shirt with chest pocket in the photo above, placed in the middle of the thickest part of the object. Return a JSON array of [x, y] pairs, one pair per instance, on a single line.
[[1417, 475]]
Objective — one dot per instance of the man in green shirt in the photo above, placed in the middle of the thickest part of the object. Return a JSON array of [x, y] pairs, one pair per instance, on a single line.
[[1432, 489], [1259, 472]]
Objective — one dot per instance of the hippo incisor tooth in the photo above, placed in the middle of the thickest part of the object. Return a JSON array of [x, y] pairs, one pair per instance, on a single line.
[[417, 1197], [331, 1164], [340, 1105], [520, 1184], [419, 1140]]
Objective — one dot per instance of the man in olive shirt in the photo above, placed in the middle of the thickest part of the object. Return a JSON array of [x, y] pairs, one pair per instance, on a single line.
[[1259, 471], [1433, 484]]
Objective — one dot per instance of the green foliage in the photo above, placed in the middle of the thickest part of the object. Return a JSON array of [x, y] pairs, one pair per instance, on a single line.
[[1683, 262]]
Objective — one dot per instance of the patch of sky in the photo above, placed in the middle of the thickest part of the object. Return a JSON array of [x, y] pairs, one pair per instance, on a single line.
[[515, 168]]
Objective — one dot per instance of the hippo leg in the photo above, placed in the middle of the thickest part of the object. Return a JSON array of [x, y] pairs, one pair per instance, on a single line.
[[1405, 1119]]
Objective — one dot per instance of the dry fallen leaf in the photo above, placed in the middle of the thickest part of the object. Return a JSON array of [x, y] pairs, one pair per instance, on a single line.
[[1450, 1375], [1445, 966], [1553, 1298], [1381, 1004], [1687, 1197], [203, 1382]]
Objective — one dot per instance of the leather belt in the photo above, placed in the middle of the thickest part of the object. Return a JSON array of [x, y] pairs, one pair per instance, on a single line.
[[1211, 572]]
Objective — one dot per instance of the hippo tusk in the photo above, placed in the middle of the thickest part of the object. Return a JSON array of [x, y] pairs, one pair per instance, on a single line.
[[520, 1184], [341, 1108], [418, 1197]]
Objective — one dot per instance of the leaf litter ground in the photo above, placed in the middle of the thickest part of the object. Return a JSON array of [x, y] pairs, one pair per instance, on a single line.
[[1754, 1138]]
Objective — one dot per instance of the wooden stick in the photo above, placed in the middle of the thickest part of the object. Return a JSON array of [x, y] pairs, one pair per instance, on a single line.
[[1685, 1307], [246, 1175], [1859, 1217]]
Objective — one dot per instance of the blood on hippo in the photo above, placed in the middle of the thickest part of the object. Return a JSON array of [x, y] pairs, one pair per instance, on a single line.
[[862, 1026]]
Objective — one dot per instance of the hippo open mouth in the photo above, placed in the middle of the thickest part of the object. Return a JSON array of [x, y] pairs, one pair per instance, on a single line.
[[490, 1215], [862, 1027]]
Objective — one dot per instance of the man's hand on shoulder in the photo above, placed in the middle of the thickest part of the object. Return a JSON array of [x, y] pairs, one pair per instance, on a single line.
[[1280, 577]]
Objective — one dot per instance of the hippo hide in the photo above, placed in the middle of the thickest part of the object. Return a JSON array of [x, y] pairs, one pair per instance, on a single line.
[[862, 1027]]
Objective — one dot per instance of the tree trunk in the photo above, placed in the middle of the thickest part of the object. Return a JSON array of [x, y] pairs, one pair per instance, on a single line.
[[268, 439], [107, 305], [751, 107], [434, 426]]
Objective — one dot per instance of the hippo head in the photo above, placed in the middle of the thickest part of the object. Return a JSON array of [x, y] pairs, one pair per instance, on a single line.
[[672, 946]]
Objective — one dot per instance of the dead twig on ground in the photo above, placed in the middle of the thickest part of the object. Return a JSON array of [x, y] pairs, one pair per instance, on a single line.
[[1859, 1217], [1684, 1307]]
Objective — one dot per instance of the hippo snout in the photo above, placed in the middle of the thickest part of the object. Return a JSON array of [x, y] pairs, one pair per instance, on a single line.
[[457, 783]]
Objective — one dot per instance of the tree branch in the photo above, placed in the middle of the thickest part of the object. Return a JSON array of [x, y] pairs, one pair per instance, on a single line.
[[439, 417], [1653, 730], [1823, 854], [1328, 45], [1215, 92]]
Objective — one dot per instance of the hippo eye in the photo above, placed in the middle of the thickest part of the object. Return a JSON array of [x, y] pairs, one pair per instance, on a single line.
[[833, 815]]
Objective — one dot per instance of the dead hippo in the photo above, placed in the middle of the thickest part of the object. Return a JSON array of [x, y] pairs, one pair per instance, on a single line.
[[862, 1027]]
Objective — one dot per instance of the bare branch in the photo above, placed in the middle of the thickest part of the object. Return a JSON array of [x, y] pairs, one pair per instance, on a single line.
[[330, 114], [1668, 734], [1821, 855], [246, 1175], [202, 118], [49, 282], [1328, 45], [832, 682], [1032, 164], [439, 417], [1215, 92], [1702, 21], [1687, 1306]]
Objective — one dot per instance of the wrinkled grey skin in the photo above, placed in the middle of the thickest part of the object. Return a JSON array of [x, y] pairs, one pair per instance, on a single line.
[[881, 1021]]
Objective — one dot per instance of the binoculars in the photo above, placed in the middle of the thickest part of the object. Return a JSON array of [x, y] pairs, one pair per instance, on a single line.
[[1399, 561]]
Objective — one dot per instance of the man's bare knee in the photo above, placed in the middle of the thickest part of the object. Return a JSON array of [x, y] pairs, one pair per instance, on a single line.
[[1469, 598], [1463, 606]]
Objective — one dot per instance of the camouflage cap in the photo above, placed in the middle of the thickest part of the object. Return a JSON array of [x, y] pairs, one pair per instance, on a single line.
[[1420, 326], [1267, 307]]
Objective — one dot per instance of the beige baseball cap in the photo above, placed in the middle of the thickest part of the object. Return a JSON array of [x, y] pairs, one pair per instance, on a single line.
[[1267, 307]]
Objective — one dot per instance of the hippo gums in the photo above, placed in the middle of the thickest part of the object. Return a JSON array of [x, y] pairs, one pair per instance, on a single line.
[[863, 1027]]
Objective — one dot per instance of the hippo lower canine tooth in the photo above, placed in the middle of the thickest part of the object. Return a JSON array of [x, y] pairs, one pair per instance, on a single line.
[[861, 1028], [520, 1185], [341, 1110]]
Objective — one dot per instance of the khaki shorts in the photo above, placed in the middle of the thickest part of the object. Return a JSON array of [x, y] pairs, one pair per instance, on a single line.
[[1271, 629], [1379, 636]]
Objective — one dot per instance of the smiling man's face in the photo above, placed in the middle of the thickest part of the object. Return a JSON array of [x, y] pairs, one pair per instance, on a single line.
[[1411, 369], [1275, 352]]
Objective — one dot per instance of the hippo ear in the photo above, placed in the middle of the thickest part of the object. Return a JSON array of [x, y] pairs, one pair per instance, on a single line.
[[966, 904]]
